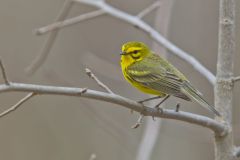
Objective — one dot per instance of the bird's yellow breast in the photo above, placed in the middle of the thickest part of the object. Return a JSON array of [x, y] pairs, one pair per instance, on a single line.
[[127, 61]]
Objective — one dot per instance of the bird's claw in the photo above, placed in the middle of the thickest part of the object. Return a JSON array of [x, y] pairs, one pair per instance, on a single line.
[[159, 109], [141, 102], [177, 107], [153, 118]]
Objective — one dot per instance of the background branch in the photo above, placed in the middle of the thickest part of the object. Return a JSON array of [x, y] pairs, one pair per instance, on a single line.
[[149, 9], [42, 56], [69, 22], [4, 73], [135, 21]]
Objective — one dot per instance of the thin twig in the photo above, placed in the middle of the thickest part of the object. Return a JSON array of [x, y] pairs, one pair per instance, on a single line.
[[101, 84], [236, 79], [149, 9], [219, 128], [69, 22], [149, 99], [4, 73], [139, 122], [17, 105], [237, 151], [42, 56]]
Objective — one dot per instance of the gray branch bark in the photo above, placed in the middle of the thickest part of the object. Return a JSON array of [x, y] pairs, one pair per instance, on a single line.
[[219, 128], [224, 147]]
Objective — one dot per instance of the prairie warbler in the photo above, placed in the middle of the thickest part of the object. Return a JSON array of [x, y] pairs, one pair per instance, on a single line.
[[153, 74]]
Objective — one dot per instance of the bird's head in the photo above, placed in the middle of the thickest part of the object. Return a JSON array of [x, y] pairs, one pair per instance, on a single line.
[[134, 51]]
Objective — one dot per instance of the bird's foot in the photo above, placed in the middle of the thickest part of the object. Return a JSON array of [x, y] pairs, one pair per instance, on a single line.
[[177, 107], [153, 118], [159, 109], [141, 102], [149, 99]]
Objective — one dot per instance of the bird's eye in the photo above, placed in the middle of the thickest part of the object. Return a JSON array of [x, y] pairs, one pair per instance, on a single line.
[[135, 52]]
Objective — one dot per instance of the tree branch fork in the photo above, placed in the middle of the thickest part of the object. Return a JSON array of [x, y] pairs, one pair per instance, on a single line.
[[219, 128]]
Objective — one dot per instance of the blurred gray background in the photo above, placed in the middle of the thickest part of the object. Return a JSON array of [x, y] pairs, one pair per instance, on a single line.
[[70, 128]]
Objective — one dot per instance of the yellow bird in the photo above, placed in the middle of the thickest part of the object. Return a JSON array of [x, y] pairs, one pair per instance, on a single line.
[[153, 74]]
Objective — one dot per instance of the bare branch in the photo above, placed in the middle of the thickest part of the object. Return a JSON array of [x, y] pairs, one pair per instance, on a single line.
[[42, 56], [139, 122], [4, 73], [149, 140], [219, 128], [237, 152], [69, 22], [91, 75], [149, 9], [224, 87], [236, 79], [226, 50], [17, 105]]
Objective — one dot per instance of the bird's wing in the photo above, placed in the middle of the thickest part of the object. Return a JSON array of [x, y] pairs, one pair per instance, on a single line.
[[155, 73]]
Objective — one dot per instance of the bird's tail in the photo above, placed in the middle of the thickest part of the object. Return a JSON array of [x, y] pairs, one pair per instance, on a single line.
[[197, 96]]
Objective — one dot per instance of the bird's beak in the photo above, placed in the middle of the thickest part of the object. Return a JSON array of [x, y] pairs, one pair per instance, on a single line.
[[123, 53]]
